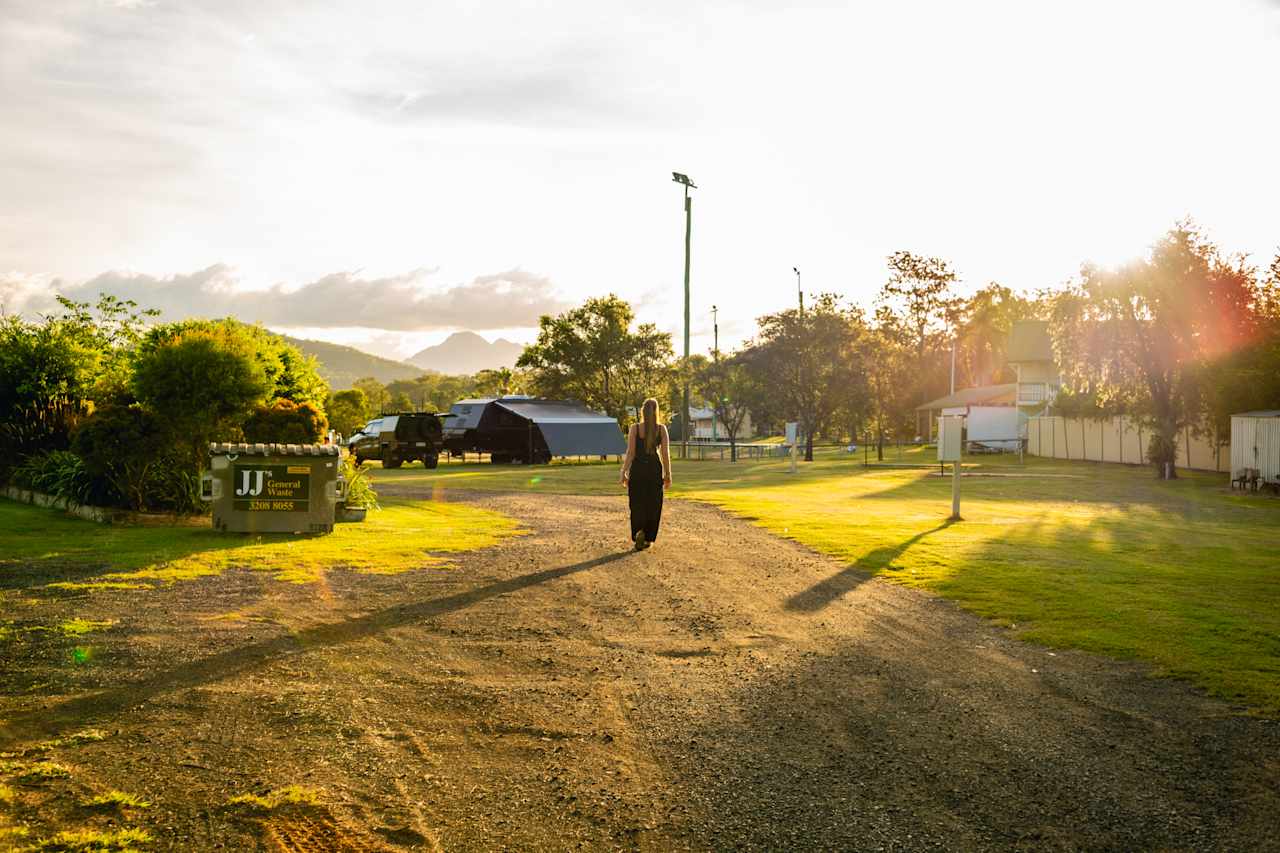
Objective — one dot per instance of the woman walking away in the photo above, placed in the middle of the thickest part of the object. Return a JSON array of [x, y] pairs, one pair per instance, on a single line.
[[646, 472]]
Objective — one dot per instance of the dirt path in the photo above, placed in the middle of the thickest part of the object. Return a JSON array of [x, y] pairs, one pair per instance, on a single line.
[[724, 690]]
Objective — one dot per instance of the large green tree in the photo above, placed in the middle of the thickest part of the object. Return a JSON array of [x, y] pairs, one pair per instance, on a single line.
[[731, 389], [592, 354], [204, 381], [348, 411], [919, 291], [811, 361], [889, 376], [291, 375], [1141, 337], [47, 374], [375, 393], [982, 324]]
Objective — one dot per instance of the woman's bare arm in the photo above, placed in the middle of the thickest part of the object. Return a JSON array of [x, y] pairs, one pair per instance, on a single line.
[[631, 455], [665, 452]]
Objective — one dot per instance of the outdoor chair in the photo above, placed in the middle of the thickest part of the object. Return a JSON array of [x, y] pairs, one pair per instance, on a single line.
[[1240, 478]]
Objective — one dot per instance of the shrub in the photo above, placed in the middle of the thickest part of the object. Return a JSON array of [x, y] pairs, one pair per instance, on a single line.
[[46, 371], [203, 382], [124, 445], [286, 422], [62, 474], [359, 488]]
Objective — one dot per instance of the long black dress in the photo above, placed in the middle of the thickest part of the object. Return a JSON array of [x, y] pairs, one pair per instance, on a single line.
[[644, 489]]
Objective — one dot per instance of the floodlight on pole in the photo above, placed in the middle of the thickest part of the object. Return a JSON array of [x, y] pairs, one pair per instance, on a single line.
[[798, 290], [688, 230]]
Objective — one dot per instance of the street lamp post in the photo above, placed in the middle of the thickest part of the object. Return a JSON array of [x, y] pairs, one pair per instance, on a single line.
[[715, 354], [688, 230], [799, 293]]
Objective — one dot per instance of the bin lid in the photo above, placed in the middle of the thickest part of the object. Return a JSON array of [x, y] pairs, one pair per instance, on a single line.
[[220, 448]]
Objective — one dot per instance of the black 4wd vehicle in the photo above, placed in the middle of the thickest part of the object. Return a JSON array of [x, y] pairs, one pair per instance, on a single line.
[[399, 437]]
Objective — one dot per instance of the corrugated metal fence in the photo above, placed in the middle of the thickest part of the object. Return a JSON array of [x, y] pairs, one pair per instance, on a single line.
[[1118, 439], [1257, 445]]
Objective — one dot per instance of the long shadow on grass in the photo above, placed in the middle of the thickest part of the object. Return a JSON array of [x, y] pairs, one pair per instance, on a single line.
[[838, 585], [77, 711]]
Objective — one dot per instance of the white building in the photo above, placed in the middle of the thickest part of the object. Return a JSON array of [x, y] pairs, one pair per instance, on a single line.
[[707, 427]]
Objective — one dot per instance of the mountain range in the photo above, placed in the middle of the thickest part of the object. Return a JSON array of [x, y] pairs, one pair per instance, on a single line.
[[461, 352], [467, 352], [341, 366]]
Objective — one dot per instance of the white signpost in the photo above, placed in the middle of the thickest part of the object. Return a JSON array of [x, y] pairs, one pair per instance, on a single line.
[[793, 439], [950, 429]]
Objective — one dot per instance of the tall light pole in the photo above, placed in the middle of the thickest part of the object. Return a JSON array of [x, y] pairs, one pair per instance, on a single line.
[[799, 293], [688, 231], [715, 354], [715, 324]]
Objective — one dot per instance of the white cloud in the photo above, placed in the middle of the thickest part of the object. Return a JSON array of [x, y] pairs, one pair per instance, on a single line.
[[22, 293], [407, 302]]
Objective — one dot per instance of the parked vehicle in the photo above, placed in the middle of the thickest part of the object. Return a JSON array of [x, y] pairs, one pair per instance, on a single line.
[[399, 437]]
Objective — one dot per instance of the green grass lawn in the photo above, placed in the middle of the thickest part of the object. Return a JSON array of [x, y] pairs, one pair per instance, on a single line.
[[1182, 574], [74, 554]]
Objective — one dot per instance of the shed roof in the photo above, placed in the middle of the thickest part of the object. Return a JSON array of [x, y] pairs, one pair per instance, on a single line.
[[1029, 341], [553, 411], [973, 397], [1260, 413], [568, 427]]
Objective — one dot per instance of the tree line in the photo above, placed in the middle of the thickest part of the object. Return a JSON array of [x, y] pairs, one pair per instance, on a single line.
[[104, 404], [1179, 338]]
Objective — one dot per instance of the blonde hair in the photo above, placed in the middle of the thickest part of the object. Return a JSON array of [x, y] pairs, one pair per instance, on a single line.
[[649, 414]]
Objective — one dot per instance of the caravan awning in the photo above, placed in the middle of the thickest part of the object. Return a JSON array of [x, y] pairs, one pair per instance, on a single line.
[[570, 429]]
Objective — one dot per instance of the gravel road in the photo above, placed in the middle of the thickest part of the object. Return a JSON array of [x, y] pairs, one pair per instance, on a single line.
[[725, 690]]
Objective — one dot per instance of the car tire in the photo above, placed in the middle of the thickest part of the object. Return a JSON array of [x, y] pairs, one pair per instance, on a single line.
[[391, 462], [431, 461]]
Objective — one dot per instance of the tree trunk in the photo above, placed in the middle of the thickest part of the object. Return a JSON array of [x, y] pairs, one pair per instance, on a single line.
[[880, 445], [1164, 448], [808, 446]]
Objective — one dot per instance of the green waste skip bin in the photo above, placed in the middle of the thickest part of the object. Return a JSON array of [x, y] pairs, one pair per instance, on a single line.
[[273, 488]]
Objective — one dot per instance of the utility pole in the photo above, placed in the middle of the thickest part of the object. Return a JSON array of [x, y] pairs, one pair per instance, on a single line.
[[715, 354], [715, 325], [688, 231], [953, 365], [799, 420]]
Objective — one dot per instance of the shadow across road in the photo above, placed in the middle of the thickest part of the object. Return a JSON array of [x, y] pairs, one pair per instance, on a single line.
[[829, 590], [78, 711]]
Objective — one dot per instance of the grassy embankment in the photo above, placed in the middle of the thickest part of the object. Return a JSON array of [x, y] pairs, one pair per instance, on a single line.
[[73, 554], [1182, 574]]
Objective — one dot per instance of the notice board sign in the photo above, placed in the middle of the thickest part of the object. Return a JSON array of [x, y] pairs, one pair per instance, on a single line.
[[272, 488], [949, 435]]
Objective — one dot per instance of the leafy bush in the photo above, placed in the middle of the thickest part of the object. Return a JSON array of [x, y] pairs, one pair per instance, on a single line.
[[175, 487], [124, 446], [62, 474], [359, 488], [46, 372], [286, 422], [204, 382]]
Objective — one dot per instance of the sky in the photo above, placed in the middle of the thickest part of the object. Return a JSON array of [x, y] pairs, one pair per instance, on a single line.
[[382, 174]]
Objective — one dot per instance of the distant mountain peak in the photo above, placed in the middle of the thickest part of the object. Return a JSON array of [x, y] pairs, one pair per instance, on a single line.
[[467, 352], [340, 366]]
